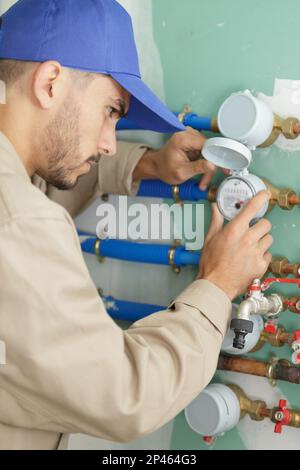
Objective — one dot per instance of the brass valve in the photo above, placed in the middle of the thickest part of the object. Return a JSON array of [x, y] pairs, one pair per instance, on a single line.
[[281, 267], [289, 127], [212, 194], [258, 411], [277, 338], [249, 407], [286, 198]]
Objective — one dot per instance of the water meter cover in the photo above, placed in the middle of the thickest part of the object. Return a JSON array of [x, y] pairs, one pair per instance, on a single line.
[[227, 153]]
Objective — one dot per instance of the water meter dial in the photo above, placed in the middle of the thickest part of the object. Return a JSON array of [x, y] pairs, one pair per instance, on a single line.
[[240, 186], [236, 191]]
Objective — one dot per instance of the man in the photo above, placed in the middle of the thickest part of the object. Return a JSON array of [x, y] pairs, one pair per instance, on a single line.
[[72, 70]]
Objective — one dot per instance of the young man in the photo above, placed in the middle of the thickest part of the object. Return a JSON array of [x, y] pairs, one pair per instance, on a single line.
[[71, 71]]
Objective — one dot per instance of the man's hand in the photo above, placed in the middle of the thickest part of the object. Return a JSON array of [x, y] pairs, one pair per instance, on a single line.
[[177, 161], [235, 255]]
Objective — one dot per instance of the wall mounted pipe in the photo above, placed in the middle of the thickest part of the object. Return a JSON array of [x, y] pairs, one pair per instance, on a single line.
[[195, 121], [129, 311], [174, 256], [275, 369], [188, 191]]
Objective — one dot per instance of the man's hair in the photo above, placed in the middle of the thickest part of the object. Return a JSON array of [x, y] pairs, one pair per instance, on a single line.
[[12, 70]]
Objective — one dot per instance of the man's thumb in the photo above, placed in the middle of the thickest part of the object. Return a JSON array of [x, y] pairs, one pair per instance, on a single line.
[[216, 222]]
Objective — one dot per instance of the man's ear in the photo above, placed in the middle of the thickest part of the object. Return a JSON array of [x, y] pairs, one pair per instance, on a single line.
[[48, 84]]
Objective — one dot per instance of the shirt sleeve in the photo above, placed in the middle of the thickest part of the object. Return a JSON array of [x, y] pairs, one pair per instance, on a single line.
[[113, 175], [69, 367]]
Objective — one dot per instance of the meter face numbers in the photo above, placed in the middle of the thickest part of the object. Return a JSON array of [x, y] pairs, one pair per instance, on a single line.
[[233, 194]]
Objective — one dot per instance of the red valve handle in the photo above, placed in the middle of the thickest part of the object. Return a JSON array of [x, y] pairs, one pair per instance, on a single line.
[[270, 280], [297, 335], [270, 328], [286, 418]]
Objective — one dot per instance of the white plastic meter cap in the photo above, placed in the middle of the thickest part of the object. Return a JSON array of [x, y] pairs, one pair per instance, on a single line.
[[213, 411], [246, 118], [237, 115], [227, 153]]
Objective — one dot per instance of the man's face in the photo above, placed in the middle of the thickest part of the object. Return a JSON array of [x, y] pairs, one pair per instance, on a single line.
[[82, 130]]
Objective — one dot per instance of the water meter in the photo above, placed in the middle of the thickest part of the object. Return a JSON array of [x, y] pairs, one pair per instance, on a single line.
[[244, 118], [214, 411], [241, 186]]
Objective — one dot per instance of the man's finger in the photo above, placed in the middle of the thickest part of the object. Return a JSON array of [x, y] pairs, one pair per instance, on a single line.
[[191, 141], [260, 229], [265, 243], [251, 209], [191, 169], [206, 179], [216, 222], [268, 258]]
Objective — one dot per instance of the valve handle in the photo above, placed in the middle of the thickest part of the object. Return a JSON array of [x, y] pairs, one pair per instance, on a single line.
[[270, 328], [270, 280], [297, 335], [282, 416]]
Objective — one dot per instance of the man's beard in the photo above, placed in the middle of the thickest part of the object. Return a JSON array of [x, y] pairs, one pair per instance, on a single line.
[[61, 147]]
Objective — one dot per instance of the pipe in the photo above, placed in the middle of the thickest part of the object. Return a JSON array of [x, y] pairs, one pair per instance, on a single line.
[[188, 191], [273, 370], [199, 123], [141, 252], [129, 311]]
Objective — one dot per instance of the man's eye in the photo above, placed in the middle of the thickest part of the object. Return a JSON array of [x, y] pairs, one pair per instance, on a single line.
[[113, 112]]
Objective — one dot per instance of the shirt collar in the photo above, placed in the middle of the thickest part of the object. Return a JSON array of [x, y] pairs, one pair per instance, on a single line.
[[12, 159]]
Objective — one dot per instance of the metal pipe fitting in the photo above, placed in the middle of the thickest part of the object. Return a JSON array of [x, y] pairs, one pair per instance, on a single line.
[[289, 128], [253, 408], [285, 198], [257, 410], [256, 303], [281, 267]]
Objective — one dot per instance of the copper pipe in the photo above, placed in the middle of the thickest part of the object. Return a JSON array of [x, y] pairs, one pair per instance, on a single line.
[[243, 366], [274, 370]]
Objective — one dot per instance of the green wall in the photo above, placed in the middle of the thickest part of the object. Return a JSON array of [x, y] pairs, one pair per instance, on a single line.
[[209, 49]]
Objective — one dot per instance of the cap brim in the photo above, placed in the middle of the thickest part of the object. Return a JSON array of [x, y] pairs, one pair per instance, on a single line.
[[146, 110]]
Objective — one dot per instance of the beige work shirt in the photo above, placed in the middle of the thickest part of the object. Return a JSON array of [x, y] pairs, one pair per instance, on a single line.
[[70, 368]]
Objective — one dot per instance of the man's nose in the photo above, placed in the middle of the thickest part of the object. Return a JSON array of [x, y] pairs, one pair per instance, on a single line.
[[108, 142]]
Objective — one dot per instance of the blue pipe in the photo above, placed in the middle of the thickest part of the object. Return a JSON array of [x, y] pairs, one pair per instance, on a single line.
[[129, 311], [199, 123], [141, 252], [188, 191]]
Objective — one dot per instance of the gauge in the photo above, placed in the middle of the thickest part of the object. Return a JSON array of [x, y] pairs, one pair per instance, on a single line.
[[236, 191]]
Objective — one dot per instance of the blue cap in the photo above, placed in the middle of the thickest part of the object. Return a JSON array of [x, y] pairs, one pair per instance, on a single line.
[[89, 35]]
